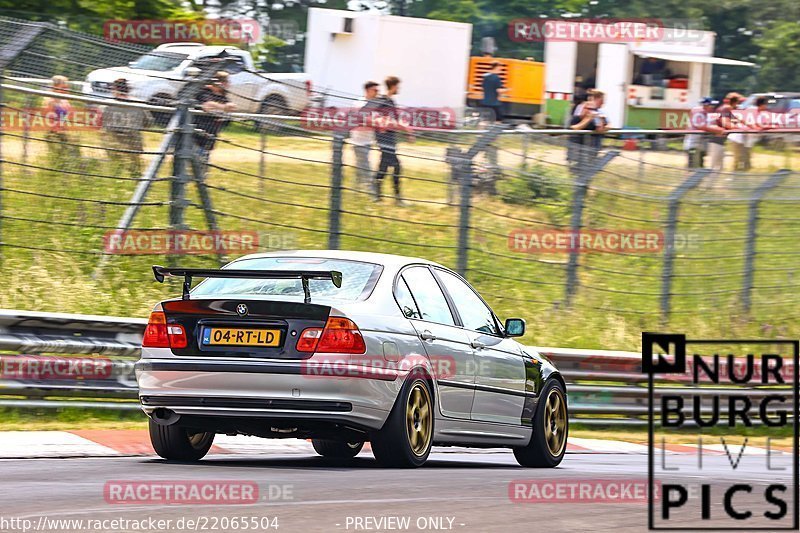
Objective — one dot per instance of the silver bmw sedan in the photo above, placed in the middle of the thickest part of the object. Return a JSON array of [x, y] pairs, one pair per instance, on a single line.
[[344, 348]]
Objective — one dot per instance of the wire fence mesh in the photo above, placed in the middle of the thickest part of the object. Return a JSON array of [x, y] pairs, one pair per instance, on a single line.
[[538, 223]]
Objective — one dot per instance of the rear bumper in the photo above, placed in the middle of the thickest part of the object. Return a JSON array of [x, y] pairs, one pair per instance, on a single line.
[[290, 390]]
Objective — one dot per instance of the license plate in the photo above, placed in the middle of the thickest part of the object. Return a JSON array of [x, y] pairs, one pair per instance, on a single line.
[[241, 337]]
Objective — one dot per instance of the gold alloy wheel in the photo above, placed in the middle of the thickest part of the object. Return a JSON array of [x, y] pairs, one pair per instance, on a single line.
[[197, 439], [555, 422], [419, 419]]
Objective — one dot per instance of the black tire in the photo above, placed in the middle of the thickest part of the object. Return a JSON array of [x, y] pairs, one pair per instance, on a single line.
[[397, 444], [545, 450], [272, 105], [178, 443], [336, 449]]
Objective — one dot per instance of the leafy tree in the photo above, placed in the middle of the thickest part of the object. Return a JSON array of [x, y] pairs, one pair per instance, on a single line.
[[779, 57]]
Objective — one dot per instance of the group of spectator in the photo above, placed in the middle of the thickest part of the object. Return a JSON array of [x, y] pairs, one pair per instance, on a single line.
[[124, 125], [384, 134], [720, 126]]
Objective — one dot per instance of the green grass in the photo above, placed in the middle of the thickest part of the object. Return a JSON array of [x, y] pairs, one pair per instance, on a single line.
[[618, 296], [36, 419]]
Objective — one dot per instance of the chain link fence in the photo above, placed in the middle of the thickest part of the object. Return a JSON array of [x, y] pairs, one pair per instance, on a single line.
[[624, 238]]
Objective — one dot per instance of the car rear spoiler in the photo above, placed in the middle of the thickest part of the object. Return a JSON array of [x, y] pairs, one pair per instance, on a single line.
[[188, 273]]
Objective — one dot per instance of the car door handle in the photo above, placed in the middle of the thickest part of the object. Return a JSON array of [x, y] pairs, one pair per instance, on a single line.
[[427, 336], [478, 345]]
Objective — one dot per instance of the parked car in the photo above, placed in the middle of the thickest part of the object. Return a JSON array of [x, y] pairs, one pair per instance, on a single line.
[[344, 348], [157, 76], [779, 103]]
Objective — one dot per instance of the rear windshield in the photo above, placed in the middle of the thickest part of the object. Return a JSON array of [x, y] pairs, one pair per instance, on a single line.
[[358, 279]]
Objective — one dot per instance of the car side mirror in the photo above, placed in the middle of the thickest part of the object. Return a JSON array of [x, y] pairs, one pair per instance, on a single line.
[[515, 327]]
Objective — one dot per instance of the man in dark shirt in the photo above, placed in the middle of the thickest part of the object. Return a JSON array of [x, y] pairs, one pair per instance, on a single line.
[[386, 135], [652, 71], [213, 99], [492, 89], [591, 118]]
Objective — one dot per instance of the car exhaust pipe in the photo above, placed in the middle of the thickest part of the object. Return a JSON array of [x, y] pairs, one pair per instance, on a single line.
[[164, 417]]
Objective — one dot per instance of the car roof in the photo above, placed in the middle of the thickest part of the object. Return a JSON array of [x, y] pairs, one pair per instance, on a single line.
[[196, 49], [387, 260], [776, 94]]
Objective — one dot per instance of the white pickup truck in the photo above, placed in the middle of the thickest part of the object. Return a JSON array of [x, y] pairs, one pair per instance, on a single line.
[[157, 76]]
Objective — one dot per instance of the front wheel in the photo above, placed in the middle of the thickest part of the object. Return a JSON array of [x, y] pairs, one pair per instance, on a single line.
[[272, 105], [550, 428], [336, 449], [179, 443], [406, 438]]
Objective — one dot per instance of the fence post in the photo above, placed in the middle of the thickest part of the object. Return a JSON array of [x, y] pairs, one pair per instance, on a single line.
[[26, 131], [525, 151], [463, 174], [181, 161], [335, 212], [752, 226], [583, 177], [261, 161], [669, 236]]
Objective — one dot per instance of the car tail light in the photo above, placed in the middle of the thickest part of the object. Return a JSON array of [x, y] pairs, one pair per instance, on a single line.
[[158, 334], [340, 335], [308, 339], [177, 336]]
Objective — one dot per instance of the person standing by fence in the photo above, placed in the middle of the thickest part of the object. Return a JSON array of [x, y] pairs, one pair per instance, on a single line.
[[591, 118], [696, 144], [723, 122], [125, 126], [738, 140], [492, 89], [387, 138], [363, 138], [58, 114], [213, 99]]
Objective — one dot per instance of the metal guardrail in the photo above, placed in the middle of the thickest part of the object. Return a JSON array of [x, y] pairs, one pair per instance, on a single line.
[[605, 387]]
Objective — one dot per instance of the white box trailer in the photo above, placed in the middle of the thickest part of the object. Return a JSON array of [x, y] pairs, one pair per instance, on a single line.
[[344, 49], [615, 68]]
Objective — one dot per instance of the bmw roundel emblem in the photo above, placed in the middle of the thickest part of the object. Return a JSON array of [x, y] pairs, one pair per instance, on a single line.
[[242, 310]]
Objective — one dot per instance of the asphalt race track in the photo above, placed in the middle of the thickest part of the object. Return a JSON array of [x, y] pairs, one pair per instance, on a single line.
[[454, 491]]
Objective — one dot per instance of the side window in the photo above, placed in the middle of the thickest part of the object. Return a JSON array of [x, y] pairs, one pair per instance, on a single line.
[[474, 313], [404, 299], [432, 304]]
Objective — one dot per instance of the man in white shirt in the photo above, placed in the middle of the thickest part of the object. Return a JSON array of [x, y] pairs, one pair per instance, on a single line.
[[362, 140]]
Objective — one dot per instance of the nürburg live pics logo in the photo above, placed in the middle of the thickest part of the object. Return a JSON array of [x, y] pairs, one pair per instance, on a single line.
[[723, 437]]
